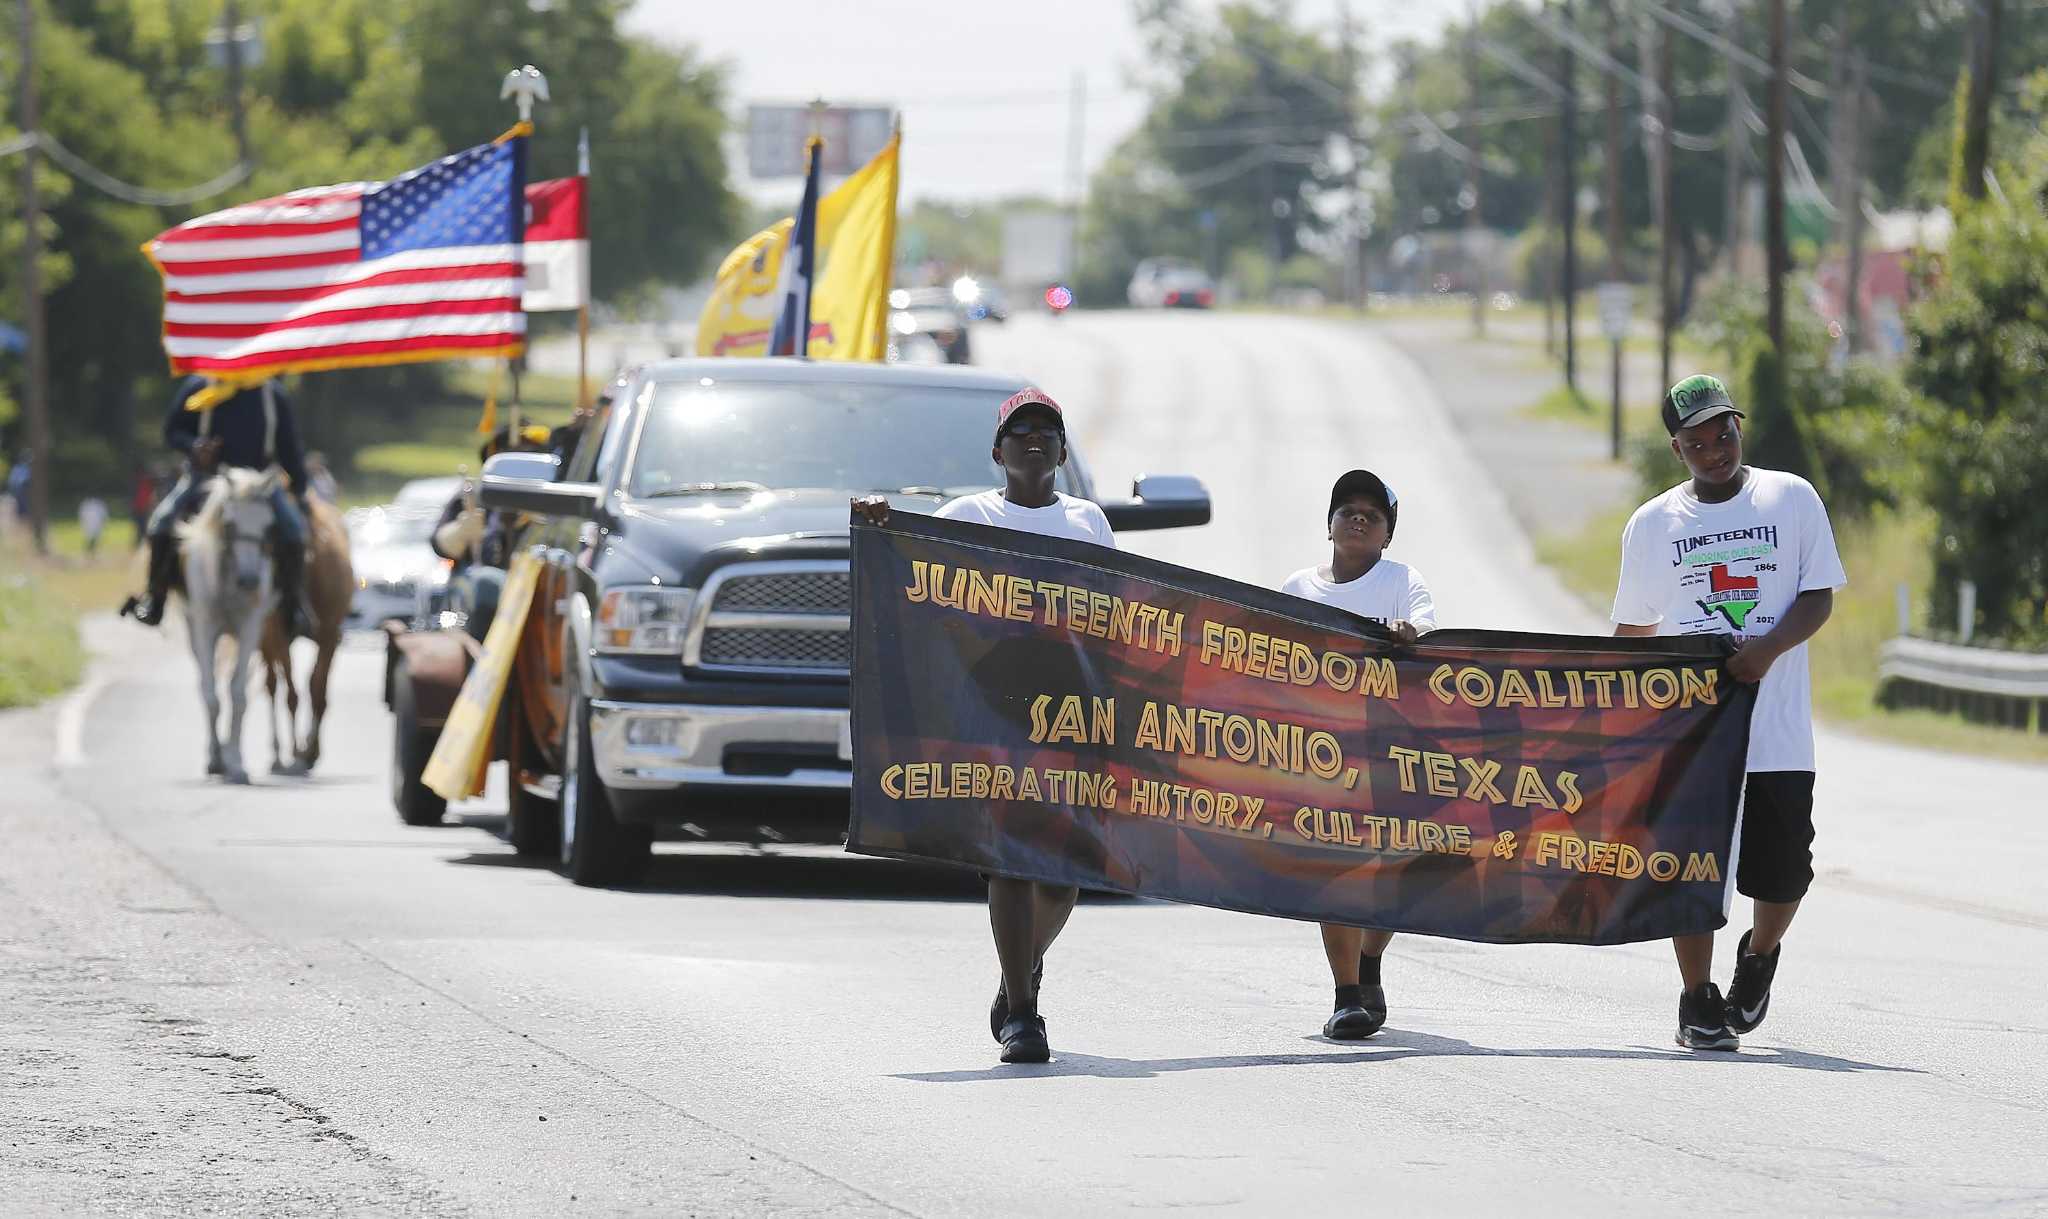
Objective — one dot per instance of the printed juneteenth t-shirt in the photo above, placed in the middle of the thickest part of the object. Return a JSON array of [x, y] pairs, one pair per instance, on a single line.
[[1734, 568], [1388, 592], [1065, 517]]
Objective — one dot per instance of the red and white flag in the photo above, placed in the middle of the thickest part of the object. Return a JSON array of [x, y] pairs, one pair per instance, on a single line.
[[557, 245], [423, 267]]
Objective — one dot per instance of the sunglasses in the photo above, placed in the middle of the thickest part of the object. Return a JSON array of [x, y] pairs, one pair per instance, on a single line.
[[1032, 427]]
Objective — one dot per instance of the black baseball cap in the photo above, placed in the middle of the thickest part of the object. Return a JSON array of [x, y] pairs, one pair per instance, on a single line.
[[1695, 400], [1370, 485]]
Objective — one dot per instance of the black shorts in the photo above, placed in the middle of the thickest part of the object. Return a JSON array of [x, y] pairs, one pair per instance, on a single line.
[[1777, 836]]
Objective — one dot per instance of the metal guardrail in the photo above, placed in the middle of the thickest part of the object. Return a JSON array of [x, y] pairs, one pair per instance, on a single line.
[[2009, 688]]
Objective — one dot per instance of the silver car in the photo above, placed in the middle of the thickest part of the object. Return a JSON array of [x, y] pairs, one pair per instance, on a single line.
[[398, 575]]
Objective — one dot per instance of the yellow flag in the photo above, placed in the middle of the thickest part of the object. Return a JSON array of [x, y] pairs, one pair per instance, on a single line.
[[456, 767], [850, 299]]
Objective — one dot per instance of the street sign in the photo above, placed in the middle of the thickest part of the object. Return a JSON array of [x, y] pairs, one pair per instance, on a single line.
[[1616, 301], [776, 136]]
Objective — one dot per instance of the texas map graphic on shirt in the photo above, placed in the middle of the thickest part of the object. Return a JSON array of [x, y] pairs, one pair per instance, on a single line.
[[1730, 596], [1719, 574]]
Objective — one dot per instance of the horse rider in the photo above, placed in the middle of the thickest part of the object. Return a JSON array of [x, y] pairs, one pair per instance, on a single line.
[[253, 429]]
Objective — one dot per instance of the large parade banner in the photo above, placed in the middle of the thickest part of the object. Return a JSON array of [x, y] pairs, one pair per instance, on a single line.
[[1061, 712]]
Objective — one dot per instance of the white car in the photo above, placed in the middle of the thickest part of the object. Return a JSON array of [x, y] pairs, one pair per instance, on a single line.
[[1171, 283], [398, 575]]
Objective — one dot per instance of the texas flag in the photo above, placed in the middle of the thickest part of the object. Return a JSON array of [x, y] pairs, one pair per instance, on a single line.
[[557, 245]]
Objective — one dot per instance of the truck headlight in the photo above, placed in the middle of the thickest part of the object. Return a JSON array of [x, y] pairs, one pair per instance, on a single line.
[[643, 620]]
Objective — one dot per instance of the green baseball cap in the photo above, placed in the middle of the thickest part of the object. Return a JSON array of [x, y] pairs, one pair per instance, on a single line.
[[1695, 400]]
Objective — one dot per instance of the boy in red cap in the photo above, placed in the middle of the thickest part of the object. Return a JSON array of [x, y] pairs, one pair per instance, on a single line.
[[1360, 522], [1024, 916]]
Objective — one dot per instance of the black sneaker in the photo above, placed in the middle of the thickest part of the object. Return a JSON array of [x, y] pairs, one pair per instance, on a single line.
[[1703, 1019], [999, 1007], [1358, 1023], [1749, 992], [1023, 1040]]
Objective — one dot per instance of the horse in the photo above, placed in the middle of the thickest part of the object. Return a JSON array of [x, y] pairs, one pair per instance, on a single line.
[[330, 587], [230, 589]]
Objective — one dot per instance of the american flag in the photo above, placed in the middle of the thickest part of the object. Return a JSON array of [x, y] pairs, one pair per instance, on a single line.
[[426, 266]]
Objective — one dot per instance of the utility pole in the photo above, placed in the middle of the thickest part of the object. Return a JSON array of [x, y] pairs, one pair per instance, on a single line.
[[1976, 150], [1354, 245], [1077, 187], [1736, 141], [1613, 210], [38, 403], [1613, 166], [1667, 229], [1568, 196], [1550, 189], [232, 48], [1776, 256], [1475, 225], [1853, 286]]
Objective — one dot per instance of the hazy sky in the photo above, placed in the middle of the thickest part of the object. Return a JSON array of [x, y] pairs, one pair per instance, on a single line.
[[983, 86]]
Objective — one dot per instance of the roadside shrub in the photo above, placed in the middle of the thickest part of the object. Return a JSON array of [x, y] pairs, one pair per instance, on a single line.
[[1979, 364], [1840, 422]]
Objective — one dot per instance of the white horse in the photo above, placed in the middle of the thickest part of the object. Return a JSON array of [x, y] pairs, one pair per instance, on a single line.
[[230, 589]]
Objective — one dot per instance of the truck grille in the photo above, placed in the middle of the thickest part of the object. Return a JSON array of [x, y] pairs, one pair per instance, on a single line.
[[824, 651], [819, 592], [774, 618]]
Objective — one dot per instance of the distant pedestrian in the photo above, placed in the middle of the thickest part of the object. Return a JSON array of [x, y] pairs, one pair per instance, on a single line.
[[17, 484], [92, 521], [1745, 552]]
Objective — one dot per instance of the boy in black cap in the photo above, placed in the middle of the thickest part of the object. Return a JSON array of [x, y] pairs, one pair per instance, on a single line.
[[1745, 552], [1024, 916], [1360, 523]]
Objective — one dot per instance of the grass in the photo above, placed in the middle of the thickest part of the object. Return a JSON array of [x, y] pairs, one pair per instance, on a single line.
[[1567, 405], [443, 435], [1879, 554], [41, 600]]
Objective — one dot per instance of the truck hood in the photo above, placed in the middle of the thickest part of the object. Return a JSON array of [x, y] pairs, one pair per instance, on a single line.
[[681, 540]]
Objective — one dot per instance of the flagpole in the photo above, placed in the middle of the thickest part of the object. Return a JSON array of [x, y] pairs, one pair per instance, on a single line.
[[523, 85], [583, 290]]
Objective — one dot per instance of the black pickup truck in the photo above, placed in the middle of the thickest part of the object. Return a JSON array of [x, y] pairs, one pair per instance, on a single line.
[[683, 669]]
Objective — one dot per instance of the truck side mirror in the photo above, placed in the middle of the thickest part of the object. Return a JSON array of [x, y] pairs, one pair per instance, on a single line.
[[1160, 501]]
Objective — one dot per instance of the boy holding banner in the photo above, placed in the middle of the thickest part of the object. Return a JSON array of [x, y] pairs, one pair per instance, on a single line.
[[1745, 552], [1360, 523], [1024, 916]]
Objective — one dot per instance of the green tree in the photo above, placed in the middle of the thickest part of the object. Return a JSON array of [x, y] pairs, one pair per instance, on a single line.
[[1244, 146], [1979, 353], [346, 90]]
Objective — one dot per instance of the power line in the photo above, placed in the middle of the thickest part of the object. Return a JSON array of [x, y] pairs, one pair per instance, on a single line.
[[1521, 69], [78, 167], [1691, 29]]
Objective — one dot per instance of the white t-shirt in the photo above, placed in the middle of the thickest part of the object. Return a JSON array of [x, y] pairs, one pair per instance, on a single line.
[[1734, 568], [1065, 517], [1388, 592]]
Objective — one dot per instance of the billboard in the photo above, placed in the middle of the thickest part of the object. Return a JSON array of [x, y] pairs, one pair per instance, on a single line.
[[776, 135]]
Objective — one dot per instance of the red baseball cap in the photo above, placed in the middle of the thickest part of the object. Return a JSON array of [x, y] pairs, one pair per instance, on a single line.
[[1032, 396]]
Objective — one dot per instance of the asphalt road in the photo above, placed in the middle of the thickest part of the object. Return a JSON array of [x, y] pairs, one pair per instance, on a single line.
[[279, 1000]]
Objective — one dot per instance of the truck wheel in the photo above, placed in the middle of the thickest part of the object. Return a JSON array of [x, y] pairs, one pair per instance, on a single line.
[[597, 849], [411, 745], [532, 823]]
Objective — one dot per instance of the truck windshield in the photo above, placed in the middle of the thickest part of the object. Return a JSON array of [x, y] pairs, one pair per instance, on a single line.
[[928, 440]]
